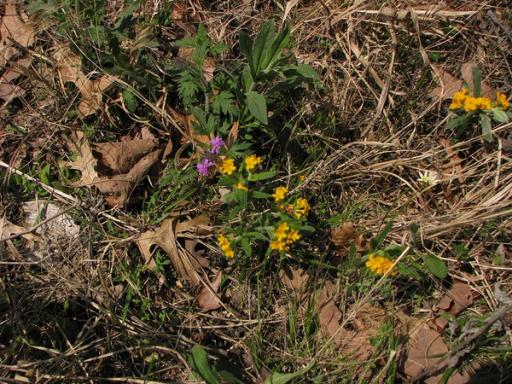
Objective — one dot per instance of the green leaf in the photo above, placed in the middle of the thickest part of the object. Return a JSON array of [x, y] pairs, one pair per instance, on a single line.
[[44, 174], [257, 236], [381, 236], [499, 115], [485, 123], [280, 42], [129, 101], [262, 45], [283, 378], [198, 360], [262, 175], [436, 266], [461, 121], [246, 246], [260, 195], [407, 271], [477, 82], [245, 44], [257, 105]]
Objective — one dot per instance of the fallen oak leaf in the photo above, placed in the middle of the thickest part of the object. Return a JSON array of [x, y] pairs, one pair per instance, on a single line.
[[166, 237], [458, 298], [426, 348], [120, 156], [14, 26], [68, 66], [119, 186], [207, 298], [295, 279]]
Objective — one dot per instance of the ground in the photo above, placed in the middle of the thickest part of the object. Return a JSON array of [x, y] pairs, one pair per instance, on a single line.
[[255, 191]]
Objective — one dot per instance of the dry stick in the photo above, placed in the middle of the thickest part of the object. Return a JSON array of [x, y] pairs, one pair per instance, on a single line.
[[464, 347], [61, 195]]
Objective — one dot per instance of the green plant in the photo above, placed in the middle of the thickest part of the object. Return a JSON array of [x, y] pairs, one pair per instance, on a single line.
[[469, 109]]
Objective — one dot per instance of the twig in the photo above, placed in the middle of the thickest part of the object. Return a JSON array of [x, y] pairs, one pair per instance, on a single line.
[[64, 196], [463, 347]]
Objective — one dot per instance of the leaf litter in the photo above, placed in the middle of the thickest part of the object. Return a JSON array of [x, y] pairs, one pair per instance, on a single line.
[[128, 162]]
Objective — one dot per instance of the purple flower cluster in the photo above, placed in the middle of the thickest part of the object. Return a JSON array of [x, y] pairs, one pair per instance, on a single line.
[[203, 167]]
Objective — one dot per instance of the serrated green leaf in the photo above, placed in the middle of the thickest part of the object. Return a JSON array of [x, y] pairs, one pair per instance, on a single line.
[[485, 123], [257, 105], [499, 116], [436, 266], [477, 81], [198, 360], [262, 175]]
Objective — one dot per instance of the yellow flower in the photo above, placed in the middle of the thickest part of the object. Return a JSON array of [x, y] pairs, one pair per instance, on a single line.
[[241, 186], [252, 162], [227, 167], [501, 100], [302, 177], [458, 99], [379, 264], [301, 208], [484, 103], [284, 237], [279, 193], [225, 246], [472, 104]]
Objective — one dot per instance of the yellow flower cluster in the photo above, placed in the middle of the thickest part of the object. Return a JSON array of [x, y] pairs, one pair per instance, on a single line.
[[300, 209], [279, 194], [241, 186], [379, 264], [252, 161], [225, 246], [227, 166], [462, 100], [502, 101], [284, 237]]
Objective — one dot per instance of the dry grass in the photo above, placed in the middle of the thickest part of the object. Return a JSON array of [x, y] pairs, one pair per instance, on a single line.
[[379, 130]]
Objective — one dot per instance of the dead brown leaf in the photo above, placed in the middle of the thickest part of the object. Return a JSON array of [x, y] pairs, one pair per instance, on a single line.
[[458, 298], [166, 237], [449, 84], [69, 67], [118, 187], [207, 297], [120, 156], [295, 279], [14, 26], [343, 237], [425, 349], [355, 342]]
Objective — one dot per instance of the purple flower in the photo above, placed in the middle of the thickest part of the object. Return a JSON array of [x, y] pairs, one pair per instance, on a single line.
[[203, 166], [216, 144]]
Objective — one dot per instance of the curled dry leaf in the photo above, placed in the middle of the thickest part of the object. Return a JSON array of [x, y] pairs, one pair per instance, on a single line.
[[207, 297], [69, 67], [166, 237], [118, 187], [458, 298], [343, 237]]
